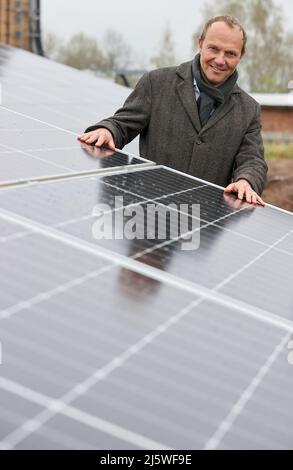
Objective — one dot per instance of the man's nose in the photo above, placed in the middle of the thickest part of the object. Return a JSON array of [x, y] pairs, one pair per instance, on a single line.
[[220, 59]]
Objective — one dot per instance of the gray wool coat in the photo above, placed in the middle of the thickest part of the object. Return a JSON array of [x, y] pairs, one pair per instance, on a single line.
[[163, 110]]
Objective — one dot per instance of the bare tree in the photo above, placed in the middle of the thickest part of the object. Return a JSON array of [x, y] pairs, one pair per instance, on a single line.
[[166, 52], [116, 50], [82, 52], [52, 44], [268, 63]]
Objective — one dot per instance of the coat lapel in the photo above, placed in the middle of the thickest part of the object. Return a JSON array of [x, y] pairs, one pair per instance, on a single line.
[[186, 93], [220, 113]]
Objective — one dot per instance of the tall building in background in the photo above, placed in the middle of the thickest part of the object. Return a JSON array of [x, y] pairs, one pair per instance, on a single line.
[[20, 24]]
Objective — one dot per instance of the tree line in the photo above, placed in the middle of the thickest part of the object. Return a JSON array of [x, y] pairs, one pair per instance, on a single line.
[[267, 65]]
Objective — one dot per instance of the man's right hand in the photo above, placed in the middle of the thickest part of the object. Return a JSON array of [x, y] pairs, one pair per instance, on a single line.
[[101, 136]]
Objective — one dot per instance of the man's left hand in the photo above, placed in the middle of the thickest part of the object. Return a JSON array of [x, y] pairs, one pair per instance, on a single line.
[[244, 190]]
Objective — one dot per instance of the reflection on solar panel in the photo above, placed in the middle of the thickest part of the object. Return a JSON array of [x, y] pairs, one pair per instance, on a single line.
[[130, 344]]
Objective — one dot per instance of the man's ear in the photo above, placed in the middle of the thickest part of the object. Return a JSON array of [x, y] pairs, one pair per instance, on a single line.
[[200, 41]]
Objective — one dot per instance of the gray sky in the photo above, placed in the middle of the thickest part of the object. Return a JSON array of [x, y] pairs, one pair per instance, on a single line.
[[140, 22]]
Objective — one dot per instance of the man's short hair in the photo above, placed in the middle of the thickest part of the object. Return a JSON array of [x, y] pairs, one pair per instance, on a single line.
[[230, 21]]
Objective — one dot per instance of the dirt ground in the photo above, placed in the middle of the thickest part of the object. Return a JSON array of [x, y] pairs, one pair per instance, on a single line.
[[279, 188]]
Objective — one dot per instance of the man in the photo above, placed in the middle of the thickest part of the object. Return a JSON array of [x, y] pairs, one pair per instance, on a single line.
[[195, 118]]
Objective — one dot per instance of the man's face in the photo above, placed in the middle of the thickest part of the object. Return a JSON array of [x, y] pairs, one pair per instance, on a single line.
[[221, 52]]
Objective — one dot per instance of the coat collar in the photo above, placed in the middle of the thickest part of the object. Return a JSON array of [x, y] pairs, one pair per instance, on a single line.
[[186, 92]]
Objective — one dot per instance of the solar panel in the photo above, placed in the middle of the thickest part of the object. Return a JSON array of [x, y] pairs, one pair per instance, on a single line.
[[136, 343], [41, 117]]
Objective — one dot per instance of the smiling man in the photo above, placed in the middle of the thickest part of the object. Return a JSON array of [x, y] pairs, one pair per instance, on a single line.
[[195, 118]]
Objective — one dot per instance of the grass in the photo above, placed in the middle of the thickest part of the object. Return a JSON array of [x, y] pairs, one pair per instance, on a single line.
[[278, 150]]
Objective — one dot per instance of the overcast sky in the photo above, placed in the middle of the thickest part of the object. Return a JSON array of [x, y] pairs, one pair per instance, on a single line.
[[140, 22]]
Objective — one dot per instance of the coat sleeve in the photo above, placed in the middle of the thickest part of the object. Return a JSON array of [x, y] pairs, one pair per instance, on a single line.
[[249, 161], [132, 118]]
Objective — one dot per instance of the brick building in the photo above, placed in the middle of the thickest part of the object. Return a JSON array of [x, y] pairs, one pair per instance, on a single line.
[[20, 24], [277, 115]]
